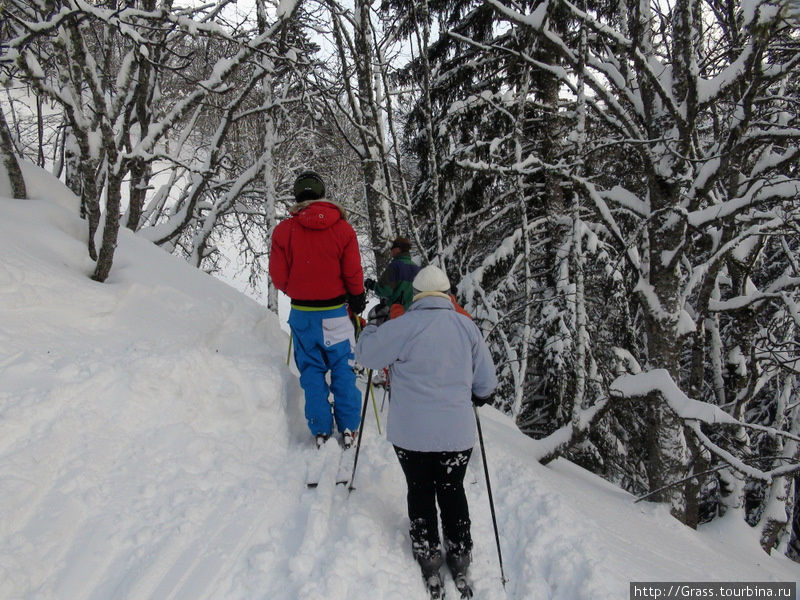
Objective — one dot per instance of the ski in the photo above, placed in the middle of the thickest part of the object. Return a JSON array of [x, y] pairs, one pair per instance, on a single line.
[[314, 471], [345, 470], [328, 454], [320, 461]]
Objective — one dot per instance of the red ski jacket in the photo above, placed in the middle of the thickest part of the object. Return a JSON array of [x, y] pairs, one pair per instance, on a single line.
[[315, 258]]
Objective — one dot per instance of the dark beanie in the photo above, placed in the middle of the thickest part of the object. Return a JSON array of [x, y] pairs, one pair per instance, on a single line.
[[402, 243], [308, 186]]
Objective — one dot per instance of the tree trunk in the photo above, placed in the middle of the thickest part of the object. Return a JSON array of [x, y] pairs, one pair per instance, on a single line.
[[433, 185], [90, 199], [140, 179], [110, 228], [72, 161], [269, 142], [779, 505], [668, 454], [374, 186], [552, 133], [140, 170], [9, 160]]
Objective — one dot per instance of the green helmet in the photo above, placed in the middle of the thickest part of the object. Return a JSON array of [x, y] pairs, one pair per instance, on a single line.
[[308, 186]]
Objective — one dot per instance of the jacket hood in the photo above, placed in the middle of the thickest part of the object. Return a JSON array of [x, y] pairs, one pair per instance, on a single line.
[[318, 214]]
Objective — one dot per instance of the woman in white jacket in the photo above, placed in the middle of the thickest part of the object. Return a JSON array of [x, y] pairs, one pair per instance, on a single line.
[[439, 365]]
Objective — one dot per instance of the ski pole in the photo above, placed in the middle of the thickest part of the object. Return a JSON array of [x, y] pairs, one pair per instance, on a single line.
[[375, 408], [351, 487], [491, 500], [289, 352]]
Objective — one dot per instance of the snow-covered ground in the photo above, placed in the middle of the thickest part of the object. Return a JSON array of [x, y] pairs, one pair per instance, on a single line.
[[152, 446]]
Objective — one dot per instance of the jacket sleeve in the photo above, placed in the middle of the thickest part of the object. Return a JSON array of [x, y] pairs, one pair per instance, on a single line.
[[379, 347], [352, 273], [386, 286], [484, 376], [279, 259]]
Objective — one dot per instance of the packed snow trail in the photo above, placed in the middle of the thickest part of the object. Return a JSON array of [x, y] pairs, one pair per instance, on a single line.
[[152, 447]]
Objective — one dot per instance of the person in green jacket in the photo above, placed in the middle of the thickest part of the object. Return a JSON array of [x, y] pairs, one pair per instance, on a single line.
[[394, 284]]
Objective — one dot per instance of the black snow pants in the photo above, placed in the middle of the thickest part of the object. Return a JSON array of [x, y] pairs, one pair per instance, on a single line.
[[437, 477]]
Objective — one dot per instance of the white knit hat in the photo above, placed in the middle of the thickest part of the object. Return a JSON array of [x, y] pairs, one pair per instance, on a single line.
[[431, 279]]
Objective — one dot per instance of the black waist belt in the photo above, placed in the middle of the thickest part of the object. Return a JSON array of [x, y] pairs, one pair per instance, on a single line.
[[327, 303]]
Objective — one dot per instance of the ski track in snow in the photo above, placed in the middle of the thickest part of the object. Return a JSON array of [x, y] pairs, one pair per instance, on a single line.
[[152, 447]]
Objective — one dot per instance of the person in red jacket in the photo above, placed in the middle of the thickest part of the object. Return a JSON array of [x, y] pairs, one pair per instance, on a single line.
[[315, 260]]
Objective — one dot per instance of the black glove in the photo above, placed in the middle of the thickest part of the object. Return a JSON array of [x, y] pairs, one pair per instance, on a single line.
[[378, 314], [358, 303], [369, 284], [478, 401]]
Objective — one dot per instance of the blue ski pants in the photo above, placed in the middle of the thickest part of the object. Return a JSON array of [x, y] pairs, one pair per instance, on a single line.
[[323, 342]]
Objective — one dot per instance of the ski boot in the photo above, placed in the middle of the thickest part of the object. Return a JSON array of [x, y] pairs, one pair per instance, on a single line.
[[459, 567], [431, 576], [435, 586], [349, 438]]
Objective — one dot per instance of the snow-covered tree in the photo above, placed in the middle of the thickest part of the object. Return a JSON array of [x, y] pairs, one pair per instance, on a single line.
[[694, 97], [355, 98], [112, 63]]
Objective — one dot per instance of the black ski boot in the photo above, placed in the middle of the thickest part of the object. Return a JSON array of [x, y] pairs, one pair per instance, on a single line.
[[431, 576], [459, 567]]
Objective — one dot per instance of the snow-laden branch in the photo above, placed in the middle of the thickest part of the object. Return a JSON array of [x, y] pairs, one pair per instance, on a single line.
[[599, 200], [552, 446], [659, 75], [622, 119], [659, 380], [509, 247], [222, 70], [784, 189], [700, 272], [740, 302], [694, 413], [221, 207]]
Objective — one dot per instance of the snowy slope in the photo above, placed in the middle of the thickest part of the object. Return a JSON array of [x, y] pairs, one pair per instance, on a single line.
[[152, 446]]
